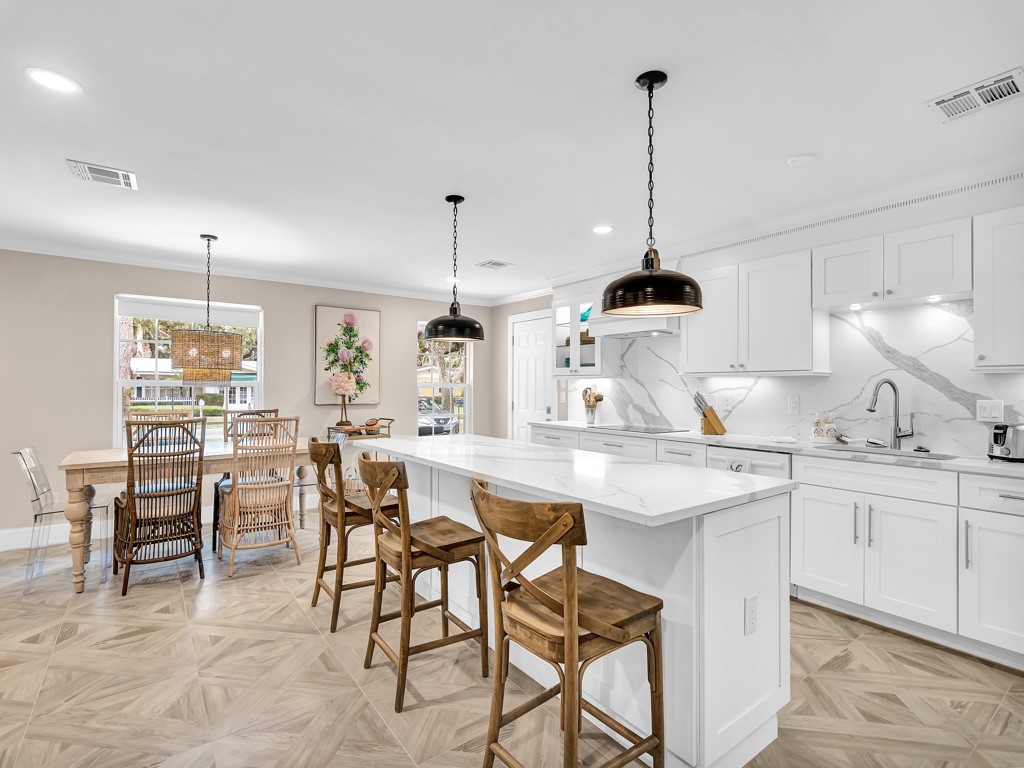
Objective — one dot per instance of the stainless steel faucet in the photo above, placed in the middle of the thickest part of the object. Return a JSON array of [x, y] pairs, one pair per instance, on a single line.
[[896, 434]]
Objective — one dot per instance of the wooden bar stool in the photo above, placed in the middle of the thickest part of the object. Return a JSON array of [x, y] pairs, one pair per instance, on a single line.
[[409, 549], [567, 617], [343, 513]]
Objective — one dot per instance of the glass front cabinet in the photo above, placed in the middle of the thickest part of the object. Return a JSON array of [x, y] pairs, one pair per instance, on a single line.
[[577, 353]]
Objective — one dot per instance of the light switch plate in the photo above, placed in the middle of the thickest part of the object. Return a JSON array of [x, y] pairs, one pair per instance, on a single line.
[[989, 410]]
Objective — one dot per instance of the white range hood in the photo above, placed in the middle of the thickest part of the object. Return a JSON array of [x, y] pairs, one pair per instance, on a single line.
[[620, 327]]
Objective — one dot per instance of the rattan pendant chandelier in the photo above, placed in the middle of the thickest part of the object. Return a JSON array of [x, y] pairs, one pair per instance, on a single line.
[[205, 355]]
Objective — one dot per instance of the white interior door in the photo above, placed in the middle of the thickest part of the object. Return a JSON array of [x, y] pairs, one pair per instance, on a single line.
[[532, 381]]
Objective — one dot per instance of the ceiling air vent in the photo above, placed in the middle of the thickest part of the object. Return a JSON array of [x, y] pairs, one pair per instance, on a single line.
[[492, 264], [90, 172], [979, 97]]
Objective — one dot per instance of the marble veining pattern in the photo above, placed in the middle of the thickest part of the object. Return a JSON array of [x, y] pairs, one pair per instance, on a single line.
[[927, 350], [631, 489]]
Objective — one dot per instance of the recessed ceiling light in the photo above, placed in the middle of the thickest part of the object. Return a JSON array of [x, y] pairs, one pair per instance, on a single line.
[[855, 307], [603, 229], [55, 81], [934, 298], [804, 159]]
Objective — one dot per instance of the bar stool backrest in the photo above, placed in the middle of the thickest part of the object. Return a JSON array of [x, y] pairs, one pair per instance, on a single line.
[[545, 525], [381, 477], [326, 458]]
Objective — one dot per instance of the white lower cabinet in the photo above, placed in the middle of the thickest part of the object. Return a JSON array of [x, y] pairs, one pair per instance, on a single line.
[[619, 445], [910, 560], [991, 577], [894, 555], [827, 533]]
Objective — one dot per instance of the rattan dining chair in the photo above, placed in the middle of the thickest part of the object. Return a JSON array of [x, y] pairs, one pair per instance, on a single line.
[[160, 415], [45, 507], [157, 518], [569, 618], [256, 506], [225, 480]]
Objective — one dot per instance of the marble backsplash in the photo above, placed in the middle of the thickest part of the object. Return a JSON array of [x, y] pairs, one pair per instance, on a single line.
[[927, 350]]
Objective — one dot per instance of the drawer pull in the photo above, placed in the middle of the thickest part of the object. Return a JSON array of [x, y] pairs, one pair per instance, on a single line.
[[856, 508], [1012, 496], [967, 545], [613, 445], [550, 437], [679, 453]]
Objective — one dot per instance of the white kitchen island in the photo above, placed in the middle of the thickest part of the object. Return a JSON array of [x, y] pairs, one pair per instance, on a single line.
[[713, 545]]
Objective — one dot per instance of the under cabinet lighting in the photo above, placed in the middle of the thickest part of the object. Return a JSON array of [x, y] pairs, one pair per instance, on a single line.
[[934, 298]]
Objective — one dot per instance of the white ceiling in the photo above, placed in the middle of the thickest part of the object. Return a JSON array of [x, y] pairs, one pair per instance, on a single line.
[[318, 139]]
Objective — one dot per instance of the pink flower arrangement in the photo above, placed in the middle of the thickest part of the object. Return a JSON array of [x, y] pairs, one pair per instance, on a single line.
[[367, 345], [349, 320], [345, 356], [343, 383]]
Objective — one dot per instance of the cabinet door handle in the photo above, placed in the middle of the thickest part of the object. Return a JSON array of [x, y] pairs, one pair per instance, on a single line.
[[550, 437], [856, 508], [874, 293], [967, 545], [742, 365], [871, 539], [732, 365], [1011, 496], [679, 453], [981, 357], [888, 291], [613, 445]]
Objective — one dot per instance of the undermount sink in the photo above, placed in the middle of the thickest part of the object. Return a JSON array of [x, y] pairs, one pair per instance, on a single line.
[[889, 452]]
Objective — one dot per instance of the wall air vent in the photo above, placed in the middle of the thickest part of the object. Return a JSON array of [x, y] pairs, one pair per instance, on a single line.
[[493, 264], [112, 176], [978, 97]]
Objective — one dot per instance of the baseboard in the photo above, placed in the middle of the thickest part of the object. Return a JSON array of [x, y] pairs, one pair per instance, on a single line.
[[21, 538]]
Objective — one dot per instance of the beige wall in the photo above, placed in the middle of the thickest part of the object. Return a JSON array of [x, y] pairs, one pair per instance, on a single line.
[[57, 353], [498, 337]]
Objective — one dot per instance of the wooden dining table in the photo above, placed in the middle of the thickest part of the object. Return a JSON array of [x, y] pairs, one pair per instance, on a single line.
[[83, 469]]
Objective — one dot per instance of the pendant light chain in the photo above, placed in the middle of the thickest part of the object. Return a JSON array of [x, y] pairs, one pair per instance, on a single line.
[[455, 252], [650, 166], [207, 285]]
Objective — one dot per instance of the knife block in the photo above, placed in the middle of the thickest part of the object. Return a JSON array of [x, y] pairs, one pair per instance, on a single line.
[[710, 423]]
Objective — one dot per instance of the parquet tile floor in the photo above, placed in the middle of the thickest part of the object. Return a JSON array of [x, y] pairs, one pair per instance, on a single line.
[[242, 672]]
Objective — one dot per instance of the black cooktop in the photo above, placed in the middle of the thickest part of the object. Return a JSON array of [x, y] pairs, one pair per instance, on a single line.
[[633, 428]]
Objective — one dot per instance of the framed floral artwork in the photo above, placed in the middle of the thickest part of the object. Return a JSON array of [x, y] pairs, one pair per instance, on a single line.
[[346, 355]]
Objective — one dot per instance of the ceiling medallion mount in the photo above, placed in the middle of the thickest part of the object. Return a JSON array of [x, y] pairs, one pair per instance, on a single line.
[[651, 291], [454, 326], [654, 80]]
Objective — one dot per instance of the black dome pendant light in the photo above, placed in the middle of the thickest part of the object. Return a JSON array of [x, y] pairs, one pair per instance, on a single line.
[[454, 326], [651, 291]]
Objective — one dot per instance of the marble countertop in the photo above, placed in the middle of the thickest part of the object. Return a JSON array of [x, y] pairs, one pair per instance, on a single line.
[[980, 465], [645, 492]]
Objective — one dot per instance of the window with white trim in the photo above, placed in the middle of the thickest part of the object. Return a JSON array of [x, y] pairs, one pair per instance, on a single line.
[[442, 386], [144, 380]]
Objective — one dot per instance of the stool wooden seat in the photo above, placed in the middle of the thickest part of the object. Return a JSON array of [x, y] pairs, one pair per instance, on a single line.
[[409, 549], [356, 512], [569, 618]]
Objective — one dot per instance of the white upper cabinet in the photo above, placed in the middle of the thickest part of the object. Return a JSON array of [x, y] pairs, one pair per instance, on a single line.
[[709, 336], [757, 318], [848, 273], [577, 352], [932, 260], [775, 313], [998, 278], [900, 266]]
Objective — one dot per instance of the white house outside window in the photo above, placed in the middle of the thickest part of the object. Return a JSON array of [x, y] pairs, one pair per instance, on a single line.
[[144, 380]]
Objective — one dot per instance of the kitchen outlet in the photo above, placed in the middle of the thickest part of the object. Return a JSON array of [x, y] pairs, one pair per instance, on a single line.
[[793, 405], [750, 615], [561, 396], [727, 401], [989, 410]]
